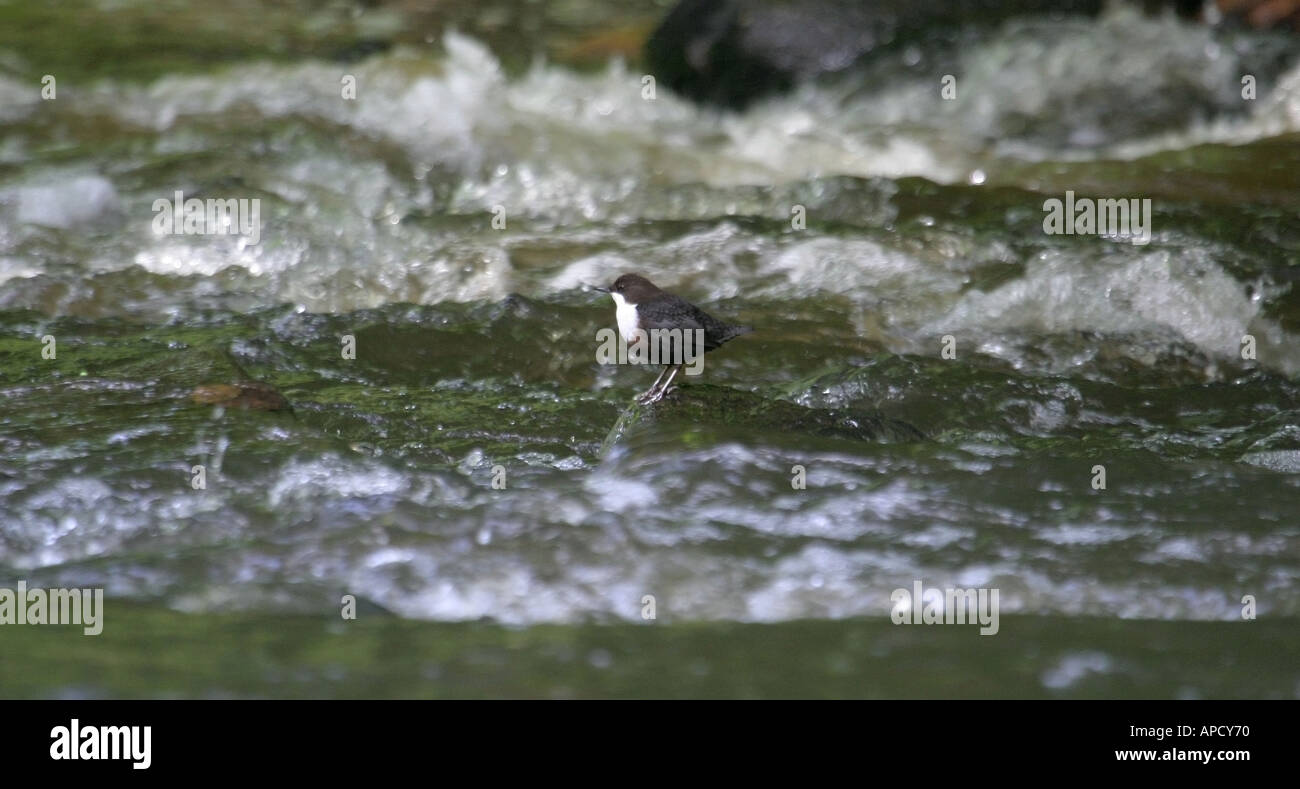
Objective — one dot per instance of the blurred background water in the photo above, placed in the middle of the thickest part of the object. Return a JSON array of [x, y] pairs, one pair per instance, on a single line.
[[475, 348]]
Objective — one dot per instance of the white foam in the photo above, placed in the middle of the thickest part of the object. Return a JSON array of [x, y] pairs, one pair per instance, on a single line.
[[65, 201]]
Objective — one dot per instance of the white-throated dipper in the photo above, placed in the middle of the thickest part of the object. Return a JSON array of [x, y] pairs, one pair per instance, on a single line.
[[641, 306]]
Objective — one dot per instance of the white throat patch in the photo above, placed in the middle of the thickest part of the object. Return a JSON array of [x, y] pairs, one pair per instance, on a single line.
[[626, 314]]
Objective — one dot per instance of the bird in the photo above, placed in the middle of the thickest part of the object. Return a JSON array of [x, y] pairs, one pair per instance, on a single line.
[[641, 306]]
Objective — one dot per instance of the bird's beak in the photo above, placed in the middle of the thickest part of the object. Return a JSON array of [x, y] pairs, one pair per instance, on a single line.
[[599, 289]]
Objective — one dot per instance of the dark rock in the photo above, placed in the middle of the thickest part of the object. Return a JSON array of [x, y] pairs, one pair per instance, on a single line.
[[730, 52]]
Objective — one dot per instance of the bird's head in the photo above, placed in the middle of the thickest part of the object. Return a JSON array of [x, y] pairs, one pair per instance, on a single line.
[[631, 289]]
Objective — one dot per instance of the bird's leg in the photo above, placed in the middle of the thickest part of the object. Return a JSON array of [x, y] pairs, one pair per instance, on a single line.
[[667, 385], [648, 395]]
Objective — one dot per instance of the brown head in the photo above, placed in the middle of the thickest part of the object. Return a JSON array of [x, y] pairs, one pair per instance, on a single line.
[[632, 288]]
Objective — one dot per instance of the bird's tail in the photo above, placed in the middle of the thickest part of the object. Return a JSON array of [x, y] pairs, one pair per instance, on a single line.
[[732, 332]]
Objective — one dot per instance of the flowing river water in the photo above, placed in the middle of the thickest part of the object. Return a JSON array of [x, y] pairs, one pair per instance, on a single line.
[[475, 357]]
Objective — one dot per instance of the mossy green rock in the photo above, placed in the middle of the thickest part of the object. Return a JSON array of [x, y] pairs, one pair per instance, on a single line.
[[704, 406]]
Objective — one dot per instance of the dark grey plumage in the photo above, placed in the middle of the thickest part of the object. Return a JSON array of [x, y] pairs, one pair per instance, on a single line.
[[666, 311], [657, 309]]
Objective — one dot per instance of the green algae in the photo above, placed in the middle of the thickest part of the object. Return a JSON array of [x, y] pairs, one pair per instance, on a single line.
[[694, 409]]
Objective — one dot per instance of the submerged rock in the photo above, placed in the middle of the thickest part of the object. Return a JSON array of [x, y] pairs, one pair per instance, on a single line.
[[250, 395], [719, 406], [730, 52]]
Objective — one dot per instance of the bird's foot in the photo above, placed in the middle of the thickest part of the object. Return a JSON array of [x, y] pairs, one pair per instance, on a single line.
[[662, 386], [663, 392], [655, 395], [648, 396]]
